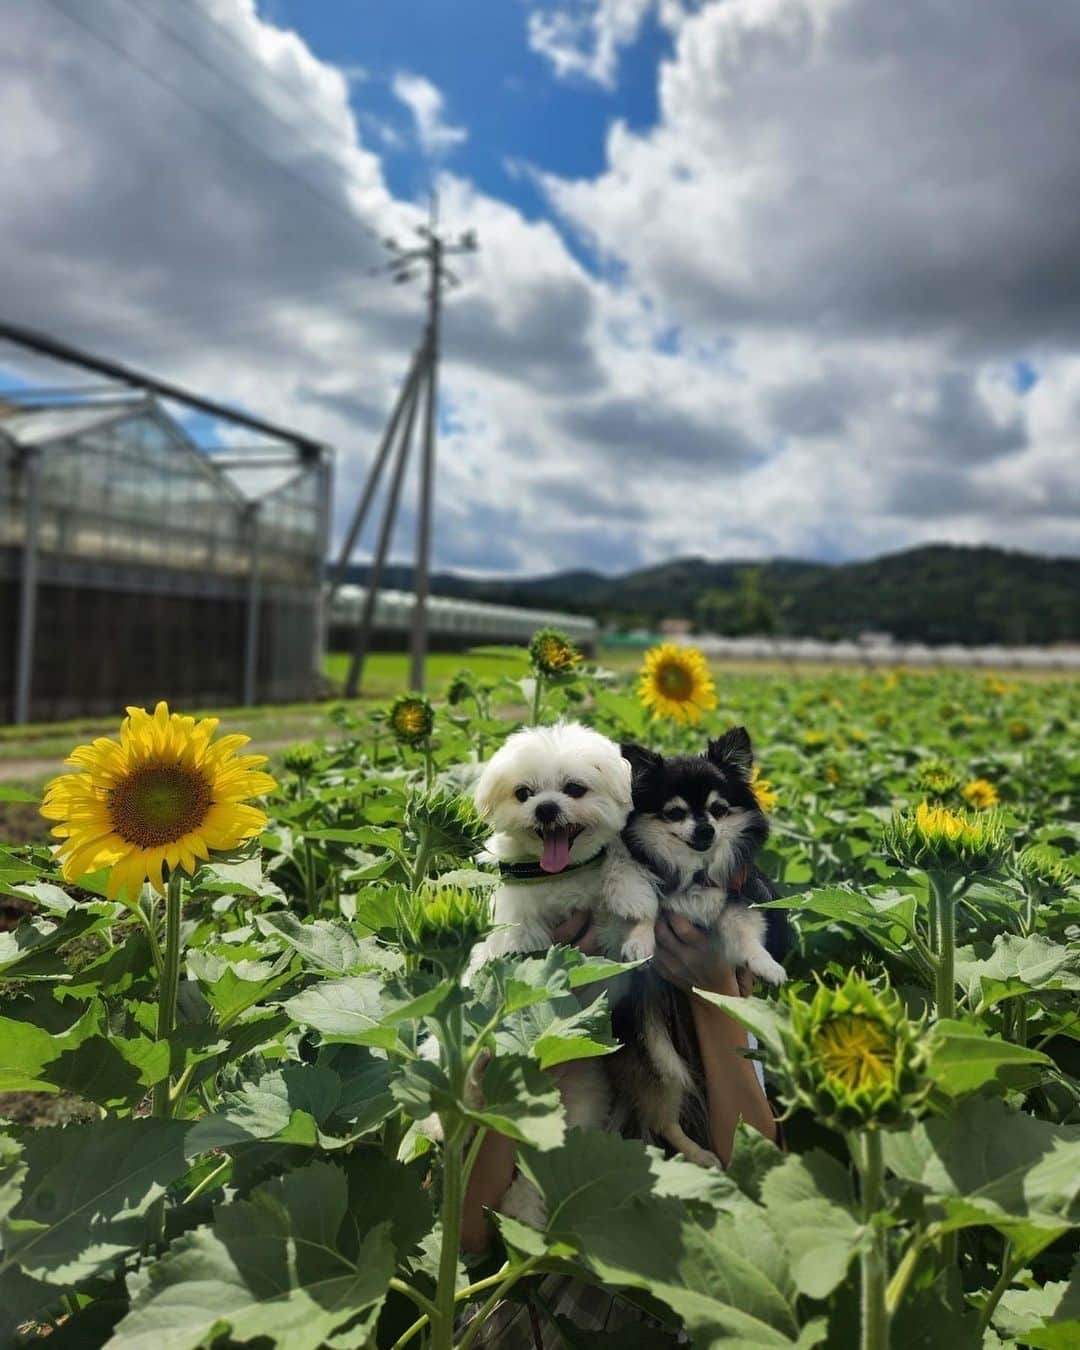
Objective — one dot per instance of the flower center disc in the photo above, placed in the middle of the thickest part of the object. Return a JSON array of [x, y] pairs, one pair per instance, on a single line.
[[856, 1051], [676, 682], [159, 805]]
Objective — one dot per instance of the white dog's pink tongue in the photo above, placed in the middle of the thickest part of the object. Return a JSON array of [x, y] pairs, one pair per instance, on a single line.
[[556, 852]]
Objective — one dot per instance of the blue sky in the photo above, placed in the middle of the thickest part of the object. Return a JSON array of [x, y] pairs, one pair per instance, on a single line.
[[756, 277], [477, 54]]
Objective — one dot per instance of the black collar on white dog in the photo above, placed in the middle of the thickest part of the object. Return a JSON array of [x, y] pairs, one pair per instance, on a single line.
[[532, 871]]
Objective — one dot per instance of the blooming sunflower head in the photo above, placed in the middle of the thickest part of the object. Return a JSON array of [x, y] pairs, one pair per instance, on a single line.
[[980, 794], [763, 790], [936, 778], [552, 654], [412, 719], [165, 795], [675, 683], [937, 839], [854, 1058]]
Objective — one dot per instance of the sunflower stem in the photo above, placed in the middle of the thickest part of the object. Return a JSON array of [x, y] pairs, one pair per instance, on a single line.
[[538, 694], [944, 901], [169, 984], [873, 1262]]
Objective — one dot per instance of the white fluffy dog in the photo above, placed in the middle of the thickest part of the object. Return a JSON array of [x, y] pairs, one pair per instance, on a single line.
[[556, 797]]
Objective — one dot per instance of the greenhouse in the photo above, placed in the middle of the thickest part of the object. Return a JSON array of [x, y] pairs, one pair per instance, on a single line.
[[454, 623], [136, 566]]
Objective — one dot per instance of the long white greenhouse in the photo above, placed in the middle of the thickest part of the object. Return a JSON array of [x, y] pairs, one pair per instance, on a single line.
[[451, 622]]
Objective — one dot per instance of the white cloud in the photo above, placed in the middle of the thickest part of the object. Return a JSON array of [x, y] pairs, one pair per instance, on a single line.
[[425, 102], [802, 354], [583, 37]]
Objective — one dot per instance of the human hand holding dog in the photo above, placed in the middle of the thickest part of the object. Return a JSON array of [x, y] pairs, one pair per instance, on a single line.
[[687, 956], [578, 930]]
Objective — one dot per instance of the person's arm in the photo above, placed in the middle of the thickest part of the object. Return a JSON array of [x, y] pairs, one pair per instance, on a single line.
[[494, 1168], [489, 1182], [687, 957]]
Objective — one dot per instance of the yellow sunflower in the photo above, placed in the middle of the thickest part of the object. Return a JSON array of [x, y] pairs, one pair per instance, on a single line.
[[675, 682], [767, 796], [165, 795], [981, 794]]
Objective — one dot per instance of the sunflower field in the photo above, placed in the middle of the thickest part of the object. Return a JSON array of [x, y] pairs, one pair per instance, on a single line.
[[226, 969]]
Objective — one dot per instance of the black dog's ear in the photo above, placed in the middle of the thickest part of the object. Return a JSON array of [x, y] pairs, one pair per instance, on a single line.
[[644, 763], [733, 751]]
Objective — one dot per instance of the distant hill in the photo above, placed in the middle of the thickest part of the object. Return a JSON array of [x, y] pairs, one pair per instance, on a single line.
[[935, 594]]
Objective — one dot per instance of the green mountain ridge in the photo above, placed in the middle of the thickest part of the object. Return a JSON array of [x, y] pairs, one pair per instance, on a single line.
[[936, 594]]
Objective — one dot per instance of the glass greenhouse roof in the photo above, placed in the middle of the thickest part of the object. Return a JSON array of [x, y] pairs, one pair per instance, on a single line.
[[121, 481]]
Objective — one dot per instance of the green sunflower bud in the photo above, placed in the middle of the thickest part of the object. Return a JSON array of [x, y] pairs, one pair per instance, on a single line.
[[1043, 870], [854, 1057], [412, 719], [460, 688], [445, 824], [935, 778], [936, 839], [300, 759], [443, 924], [551, 653]]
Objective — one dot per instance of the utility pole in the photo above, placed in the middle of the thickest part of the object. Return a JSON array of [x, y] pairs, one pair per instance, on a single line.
[[421, 382]]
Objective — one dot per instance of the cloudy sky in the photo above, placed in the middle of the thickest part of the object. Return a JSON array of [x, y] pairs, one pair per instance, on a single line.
[[756, 277]]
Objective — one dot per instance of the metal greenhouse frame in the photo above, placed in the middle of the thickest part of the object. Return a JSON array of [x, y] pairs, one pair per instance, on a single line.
[[137, 562]]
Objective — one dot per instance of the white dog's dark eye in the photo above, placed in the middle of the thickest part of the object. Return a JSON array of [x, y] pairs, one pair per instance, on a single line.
[[674, 813], [523, 793], [575, 789]]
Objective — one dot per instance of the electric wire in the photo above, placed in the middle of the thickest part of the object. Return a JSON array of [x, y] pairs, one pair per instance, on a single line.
[[223, 126], [230, 81]]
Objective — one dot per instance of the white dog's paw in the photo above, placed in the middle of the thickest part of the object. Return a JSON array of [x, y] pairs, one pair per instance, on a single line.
[[765, 968], [522, 1201], [640, 943]]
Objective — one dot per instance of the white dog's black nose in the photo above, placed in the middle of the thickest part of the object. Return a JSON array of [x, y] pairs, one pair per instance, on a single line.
[[546, 812]]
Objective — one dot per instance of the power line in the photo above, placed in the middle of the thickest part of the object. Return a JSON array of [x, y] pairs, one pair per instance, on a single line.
[[250, 146], [227, 78], [227, 35]]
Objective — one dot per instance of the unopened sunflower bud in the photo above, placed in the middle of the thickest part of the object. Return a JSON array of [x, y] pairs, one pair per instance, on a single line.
[[443, 924], [300, 759], [446, 824], [939, 840], [460, 688], [1042, 869], [854, 1058], [936, 779]]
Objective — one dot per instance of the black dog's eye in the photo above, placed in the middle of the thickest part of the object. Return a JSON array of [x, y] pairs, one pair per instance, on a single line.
[[674, 813], [718, 809], [575, 789], [523, 793]]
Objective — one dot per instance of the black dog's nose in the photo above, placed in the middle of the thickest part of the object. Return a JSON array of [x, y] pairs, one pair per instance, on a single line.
[[702, 838], [546, 812]]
